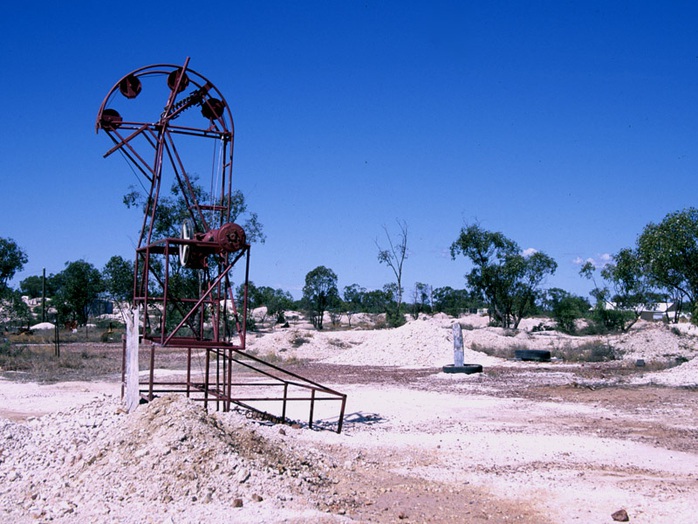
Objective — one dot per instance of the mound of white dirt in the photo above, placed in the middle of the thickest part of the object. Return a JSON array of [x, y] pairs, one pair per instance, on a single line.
[[428, 343], [653, 341], [423, 343], [684, 375], [43, 325], [96, 464]]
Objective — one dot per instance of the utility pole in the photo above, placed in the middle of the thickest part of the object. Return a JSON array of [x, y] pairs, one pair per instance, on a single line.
[[43, 296]]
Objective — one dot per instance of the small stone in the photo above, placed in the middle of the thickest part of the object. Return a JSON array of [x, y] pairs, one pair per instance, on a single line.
[[243, 475], [36, 512], [257, 498], [282, 431], [66, 507], [620, 516], [237, 503]]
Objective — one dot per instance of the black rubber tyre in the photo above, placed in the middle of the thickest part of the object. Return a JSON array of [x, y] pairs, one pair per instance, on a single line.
[[465, 368], [536, 355]]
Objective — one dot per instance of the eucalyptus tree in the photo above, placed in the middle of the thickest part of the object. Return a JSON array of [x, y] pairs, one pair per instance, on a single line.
[[173, 211], [353, 300], [669, 254], [422, 299], [117, 276], [79, 285], [565, 309], [508, 280], [453, 302], [320, 293], [277, 302], [626, 290], [12, 260], [394, 257]]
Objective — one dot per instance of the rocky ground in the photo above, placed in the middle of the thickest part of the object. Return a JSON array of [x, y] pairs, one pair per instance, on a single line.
[[526, 442]]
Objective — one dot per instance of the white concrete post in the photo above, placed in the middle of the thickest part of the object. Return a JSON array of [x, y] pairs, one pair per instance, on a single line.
[[131, 396], [457, 345]]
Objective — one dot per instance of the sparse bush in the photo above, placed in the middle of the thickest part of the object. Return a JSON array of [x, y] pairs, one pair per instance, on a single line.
[[9, 350], [38, 362], [605, 321], [106, 336], [70, 363], [14, 358], [275, 357], [595, 351], [105, 323], [601, 353], [381, 323], [338, 343], [507, 352], [299, 340], [251, 324], [540, 327]]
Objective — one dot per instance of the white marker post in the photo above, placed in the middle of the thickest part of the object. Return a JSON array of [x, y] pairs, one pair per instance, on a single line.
[[131, 396], [457, 345]]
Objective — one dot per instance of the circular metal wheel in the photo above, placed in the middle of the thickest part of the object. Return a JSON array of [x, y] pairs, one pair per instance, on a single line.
[[157, 116], [172, 126]]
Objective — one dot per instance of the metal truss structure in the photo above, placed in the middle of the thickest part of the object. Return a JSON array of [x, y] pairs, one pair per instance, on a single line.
[[185, 273]]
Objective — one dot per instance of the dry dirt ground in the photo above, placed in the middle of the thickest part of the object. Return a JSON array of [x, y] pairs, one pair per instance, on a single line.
[[521, 442]]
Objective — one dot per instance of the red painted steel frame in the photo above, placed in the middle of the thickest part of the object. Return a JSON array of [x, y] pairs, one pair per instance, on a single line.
[[211, 320]]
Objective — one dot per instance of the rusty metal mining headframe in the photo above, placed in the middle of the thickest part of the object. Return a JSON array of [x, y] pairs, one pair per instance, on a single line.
[[184, 284]]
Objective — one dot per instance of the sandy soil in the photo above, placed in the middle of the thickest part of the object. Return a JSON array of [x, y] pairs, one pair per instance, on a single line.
[[20, 401], [521, 442]]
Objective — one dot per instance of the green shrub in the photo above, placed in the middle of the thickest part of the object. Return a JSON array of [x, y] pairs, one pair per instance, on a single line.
[[394, 318], [605, 321]]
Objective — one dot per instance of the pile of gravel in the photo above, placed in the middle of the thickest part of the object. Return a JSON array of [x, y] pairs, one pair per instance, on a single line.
[[169, 461]]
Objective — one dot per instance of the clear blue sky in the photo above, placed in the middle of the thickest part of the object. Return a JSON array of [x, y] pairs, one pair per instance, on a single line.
[[568, 126]]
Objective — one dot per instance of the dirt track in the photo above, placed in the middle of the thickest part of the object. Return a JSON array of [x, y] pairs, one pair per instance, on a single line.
[[534, 443], [541, 444]]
